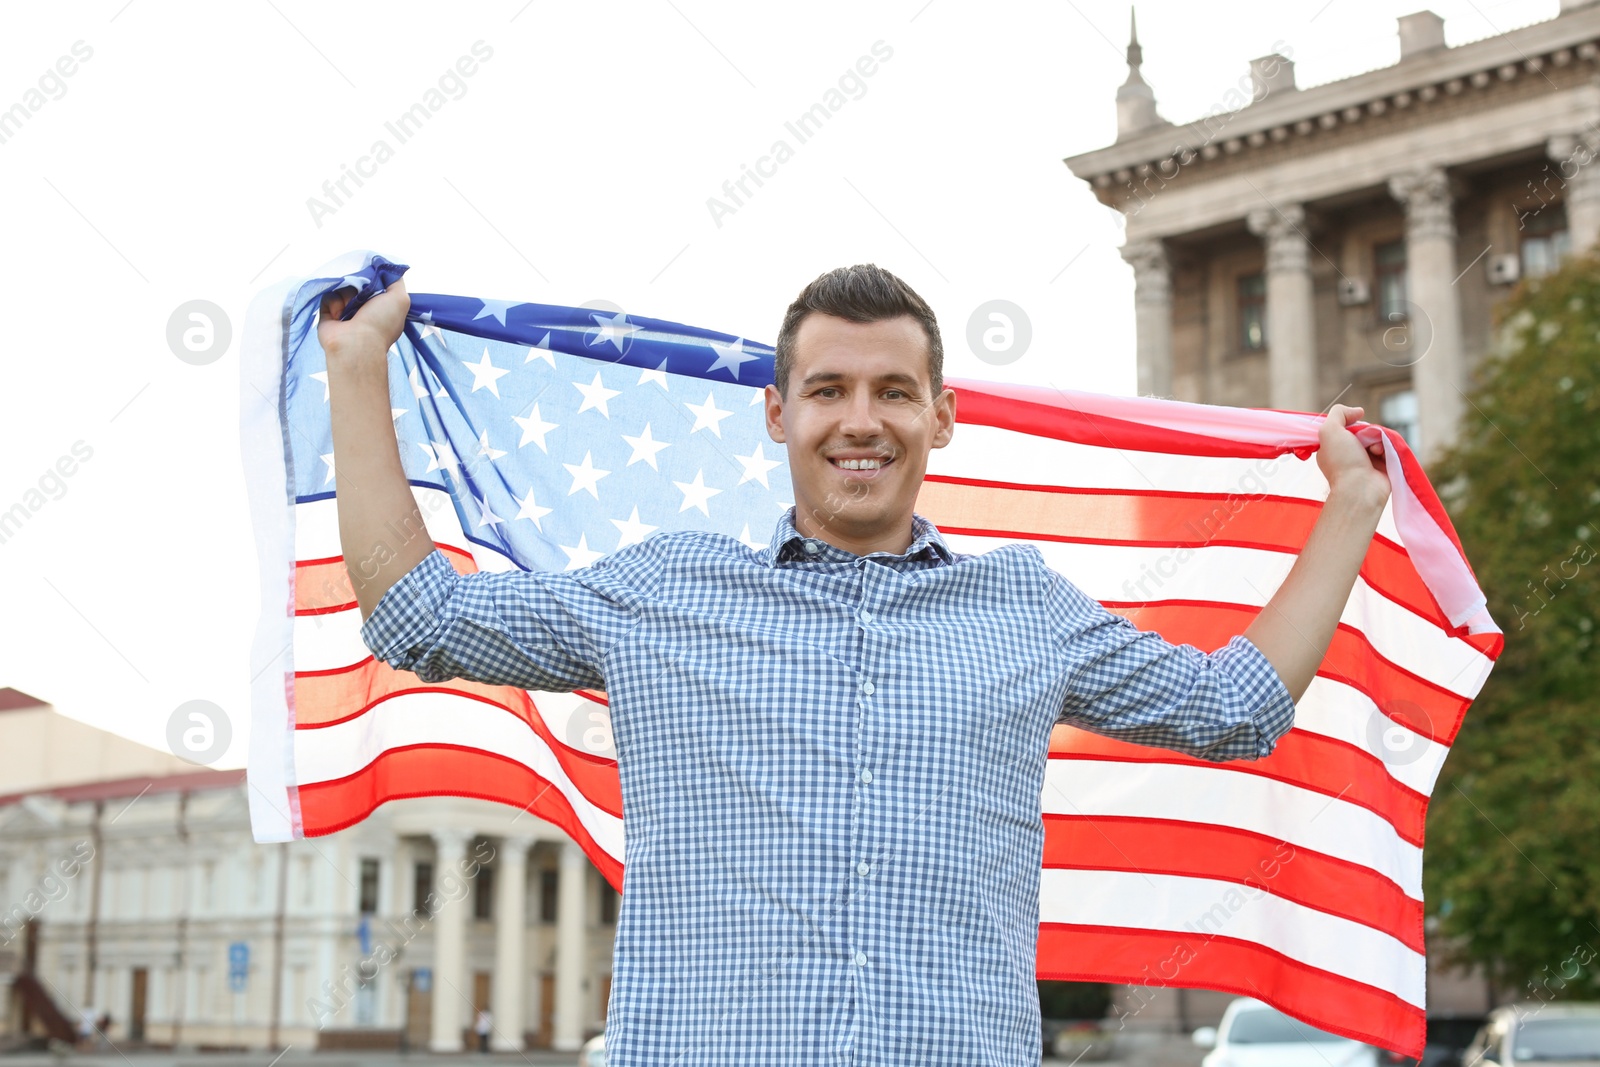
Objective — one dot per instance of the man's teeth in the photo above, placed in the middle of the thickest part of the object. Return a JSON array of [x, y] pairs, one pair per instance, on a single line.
[[859, 464]]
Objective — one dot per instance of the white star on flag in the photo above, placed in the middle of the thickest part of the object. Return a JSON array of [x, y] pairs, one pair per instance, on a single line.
[[418, 390], [328, 459], [696, 493], [595, 395], [485, 516], [533, 429], [497, 308], [490, 453], [659, 376], [580, 556], [708, 415], [644, 448], [531, 510], [744, 539], [440, 456], [729, 357], [322, 376], [633, 531], [756, 466], [585, 475], [485, 374], [541, 351], [614, 328]]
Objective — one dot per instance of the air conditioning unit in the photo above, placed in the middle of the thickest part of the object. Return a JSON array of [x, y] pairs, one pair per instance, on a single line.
[[1503, 270], [1353, 291]]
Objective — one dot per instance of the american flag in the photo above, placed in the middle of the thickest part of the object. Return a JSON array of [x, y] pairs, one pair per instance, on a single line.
[[540, 436]]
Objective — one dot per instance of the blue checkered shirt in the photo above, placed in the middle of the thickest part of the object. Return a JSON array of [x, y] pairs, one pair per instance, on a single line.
[[831, 768]]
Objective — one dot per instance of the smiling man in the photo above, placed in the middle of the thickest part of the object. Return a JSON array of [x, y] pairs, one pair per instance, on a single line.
[[831, 750]]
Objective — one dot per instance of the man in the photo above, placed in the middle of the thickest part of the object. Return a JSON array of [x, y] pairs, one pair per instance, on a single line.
[[831, 750]]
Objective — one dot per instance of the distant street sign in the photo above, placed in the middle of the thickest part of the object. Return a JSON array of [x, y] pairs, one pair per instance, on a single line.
[[238, 965], [422, 979]]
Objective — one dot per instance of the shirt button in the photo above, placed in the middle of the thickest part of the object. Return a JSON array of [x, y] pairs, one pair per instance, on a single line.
[[863, 868], [866, 777], [860, 959], [811, 548], [867, 688], [866, 617]]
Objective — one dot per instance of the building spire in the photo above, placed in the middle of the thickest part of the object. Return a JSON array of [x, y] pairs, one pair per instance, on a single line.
[[1135, 53], [1136, 101]]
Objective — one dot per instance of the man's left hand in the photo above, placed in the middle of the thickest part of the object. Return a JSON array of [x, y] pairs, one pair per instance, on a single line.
[[1354, 471]]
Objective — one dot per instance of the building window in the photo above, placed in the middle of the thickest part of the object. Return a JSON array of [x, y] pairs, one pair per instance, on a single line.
[[549, 883], [608, 903], [1389, 266], [369, 887], [1252, 313], [421, 888], [1398, 411], [483, 893], [1545, 242]]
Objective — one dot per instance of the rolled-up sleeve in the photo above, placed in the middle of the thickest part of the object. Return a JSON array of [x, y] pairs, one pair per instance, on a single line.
[[540, 630], [1136, 686]]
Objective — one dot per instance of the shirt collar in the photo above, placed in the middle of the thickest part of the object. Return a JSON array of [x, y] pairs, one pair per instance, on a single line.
[[788, 544]]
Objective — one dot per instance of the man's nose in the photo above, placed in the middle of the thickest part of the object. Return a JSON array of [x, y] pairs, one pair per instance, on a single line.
[[861, 414]]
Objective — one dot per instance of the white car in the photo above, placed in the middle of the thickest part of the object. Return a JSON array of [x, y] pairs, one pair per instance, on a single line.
[[1253, 1034], [593, 1052], [1524, 1033]]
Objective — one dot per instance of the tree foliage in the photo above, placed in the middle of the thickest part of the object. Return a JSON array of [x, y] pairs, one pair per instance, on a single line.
[[1513, 853]]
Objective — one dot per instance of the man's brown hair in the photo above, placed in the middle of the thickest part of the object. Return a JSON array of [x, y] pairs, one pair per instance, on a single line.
[[862, 293]]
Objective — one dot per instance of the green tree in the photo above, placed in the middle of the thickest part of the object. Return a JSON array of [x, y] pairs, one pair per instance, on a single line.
[[1513, 852]]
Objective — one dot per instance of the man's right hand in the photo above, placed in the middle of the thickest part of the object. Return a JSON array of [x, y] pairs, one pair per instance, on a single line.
[[374, 328]]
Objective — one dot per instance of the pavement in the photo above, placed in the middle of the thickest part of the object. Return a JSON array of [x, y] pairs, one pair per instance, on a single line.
[[1144, 1051]]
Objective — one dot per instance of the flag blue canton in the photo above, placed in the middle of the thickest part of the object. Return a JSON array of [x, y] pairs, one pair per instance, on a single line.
[[561, 434]]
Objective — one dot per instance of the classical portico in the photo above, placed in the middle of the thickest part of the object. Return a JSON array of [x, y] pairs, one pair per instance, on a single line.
[[1294, 246]]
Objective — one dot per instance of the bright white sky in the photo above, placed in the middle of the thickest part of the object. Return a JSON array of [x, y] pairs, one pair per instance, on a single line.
[[576, 166]]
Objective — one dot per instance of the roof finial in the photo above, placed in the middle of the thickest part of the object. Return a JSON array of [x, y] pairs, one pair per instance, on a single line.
[[1135, 53], [1136, 103]]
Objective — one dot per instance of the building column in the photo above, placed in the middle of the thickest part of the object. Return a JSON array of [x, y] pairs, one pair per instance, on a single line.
[[449, 943], [1291, 326], [572, 916], [511, 935], [1575, 156], [1433, 306], [1152, 308]]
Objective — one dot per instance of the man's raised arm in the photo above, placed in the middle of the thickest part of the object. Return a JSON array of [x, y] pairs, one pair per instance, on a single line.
[[1295, 628], [374, 497]]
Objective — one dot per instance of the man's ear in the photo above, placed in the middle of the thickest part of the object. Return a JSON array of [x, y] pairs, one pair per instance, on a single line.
[[944, 413], [774, 412]]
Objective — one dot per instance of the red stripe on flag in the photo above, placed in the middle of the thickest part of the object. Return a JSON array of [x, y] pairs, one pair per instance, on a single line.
[[322, 586], [417, 771], [1412, 701], [1161, 958], [328, 699], [1307, 760], [1198, 850]]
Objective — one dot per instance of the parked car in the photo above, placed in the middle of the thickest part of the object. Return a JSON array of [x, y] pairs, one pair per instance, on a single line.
[[1253, 1034], [593, 1052], [1523, 1033], [1447, 1041]]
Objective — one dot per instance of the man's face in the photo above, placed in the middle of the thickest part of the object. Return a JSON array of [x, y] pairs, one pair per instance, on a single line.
[[859, 395]]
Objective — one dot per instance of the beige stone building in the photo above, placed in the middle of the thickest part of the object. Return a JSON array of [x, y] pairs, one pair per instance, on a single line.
[[1349, 242], [130, 884], [1294, 248]]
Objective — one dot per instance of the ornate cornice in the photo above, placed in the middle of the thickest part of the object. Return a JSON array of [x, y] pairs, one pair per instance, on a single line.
[[1570, 39]]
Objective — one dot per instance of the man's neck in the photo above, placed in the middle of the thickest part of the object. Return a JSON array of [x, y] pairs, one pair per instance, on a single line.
[[894, 539]]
